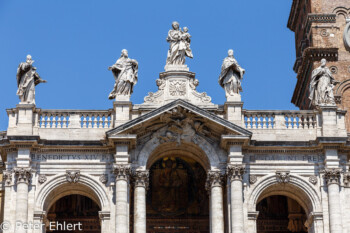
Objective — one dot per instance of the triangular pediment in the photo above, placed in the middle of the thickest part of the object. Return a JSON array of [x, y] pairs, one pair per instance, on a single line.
[[179, 117]]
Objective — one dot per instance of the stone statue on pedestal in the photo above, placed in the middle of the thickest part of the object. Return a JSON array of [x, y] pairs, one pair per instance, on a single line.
[[321, 86], [231, 75], [27, 79], [125, 72], [179, 49]]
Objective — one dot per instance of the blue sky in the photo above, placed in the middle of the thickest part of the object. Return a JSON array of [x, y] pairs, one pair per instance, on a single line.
[[73, 43]]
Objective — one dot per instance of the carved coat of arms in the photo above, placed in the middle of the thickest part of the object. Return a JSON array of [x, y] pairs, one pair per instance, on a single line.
[[177, 88]]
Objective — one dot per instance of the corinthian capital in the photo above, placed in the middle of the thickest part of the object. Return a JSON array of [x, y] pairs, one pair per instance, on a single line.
[[7, 177], [332, 176], [122, 171], [141, 178], [214, 179], [235, 172], [23, 174]]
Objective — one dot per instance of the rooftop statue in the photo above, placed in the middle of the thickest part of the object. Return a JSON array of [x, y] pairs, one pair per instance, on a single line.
[[179, 45], [125, 72], [231, 75], [27, 79], [321, 86]]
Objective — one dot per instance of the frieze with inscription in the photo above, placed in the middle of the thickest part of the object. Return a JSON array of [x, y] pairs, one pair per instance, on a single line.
[[280, 157], [65, 157]]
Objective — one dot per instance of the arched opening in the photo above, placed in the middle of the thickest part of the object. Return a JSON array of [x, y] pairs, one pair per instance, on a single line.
[[177, 200], [282, 214], [73, 213]]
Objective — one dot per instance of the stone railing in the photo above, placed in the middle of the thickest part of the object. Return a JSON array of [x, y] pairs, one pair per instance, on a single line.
[[62, 119], [280, 119]]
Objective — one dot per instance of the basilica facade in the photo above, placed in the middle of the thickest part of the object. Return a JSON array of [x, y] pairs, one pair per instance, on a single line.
[[178, 162]]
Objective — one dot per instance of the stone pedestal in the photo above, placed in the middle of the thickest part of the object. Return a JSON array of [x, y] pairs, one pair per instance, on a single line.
[[235, 175], [22, 176], [141, 185], [332, 177], [122, 172], [331, 125], [122, 112], [21, 119], [177, 83], [215, 187], [234, 114]]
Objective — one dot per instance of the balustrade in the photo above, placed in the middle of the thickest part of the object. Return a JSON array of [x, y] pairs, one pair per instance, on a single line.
[[74, 119]]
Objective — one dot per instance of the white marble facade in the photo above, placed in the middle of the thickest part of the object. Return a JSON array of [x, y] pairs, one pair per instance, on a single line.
[[248, 154]]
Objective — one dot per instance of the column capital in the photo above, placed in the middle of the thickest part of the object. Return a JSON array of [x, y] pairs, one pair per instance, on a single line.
[[7, 177], [214, 179], [235, 171], [332, 175], [141, 178], [23, 174], [346, 178], [122, 171]]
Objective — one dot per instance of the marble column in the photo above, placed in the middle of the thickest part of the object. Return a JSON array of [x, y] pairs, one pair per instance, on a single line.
[[141, 186], [214, 186], [235, 176], [23, 176], [122, 172], [332, 177]]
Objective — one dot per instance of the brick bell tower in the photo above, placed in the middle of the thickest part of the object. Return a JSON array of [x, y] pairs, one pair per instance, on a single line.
[[322, 30]]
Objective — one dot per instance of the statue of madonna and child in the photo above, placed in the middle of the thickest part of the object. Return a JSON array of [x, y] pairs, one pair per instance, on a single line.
[[179, 45]]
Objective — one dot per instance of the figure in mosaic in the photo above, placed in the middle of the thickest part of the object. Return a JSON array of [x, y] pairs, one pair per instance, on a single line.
[[27, 79], [125, 72]]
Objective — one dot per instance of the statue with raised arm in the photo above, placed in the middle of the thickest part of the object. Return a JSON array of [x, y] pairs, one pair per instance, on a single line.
[[125, 72], [27, 79], [321, 86], [179, 45], [231, 75]]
